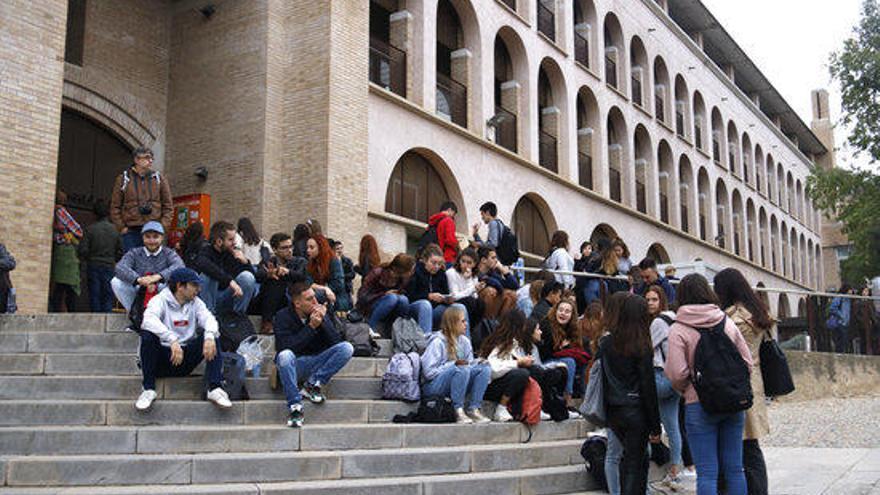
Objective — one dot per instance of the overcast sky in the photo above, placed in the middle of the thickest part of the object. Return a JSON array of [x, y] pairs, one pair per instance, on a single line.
[[790, 42]]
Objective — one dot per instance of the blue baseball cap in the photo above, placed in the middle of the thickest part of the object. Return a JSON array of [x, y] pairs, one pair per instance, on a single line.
[[153, 226], [183, 275]]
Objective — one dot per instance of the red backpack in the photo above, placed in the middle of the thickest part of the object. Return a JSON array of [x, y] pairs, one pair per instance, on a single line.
[[530, 413]]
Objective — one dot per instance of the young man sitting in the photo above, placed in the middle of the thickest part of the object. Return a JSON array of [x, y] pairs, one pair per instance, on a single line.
[[274, 276], [171, 344], [499, 295], [308, 348], [551, 294], [148, 267], [227, 275]]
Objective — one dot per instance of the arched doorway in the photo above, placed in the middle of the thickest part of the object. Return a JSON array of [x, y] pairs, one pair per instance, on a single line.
[[603, 231], [658, 253], [89, 158]]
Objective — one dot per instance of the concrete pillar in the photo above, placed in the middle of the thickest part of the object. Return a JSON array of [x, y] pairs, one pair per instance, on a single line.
[[402, 27], [615, 159], [423, 57], [585, 138], [32, 60]]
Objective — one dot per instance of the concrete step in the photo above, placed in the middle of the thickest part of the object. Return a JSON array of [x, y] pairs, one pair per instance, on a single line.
[[191, 412], [240, 467], [68, 342], [188, 388], [96, 440], [126, 365], [538, 481]]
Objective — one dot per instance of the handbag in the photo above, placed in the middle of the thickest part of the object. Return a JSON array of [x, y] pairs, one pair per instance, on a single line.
[[774, 369], [593, 407]]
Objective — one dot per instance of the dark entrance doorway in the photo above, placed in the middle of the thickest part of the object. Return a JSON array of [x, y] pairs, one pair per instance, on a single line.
[[89, 158]]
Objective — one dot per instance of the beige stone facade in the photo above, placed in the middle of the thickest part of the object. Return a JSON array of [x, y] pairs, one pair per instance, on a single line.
[[275, 99]]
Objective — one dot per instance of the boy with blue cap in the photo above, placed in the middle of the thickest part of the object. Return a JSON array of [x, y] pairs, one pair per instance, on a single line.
[[171, 344], [148, 266]]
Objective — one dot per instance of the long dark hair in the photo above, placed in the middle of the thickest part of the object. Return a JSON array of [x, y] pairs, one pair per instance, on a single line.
[[470, 253], [301, 233], [613, 308], [369, 252], [694, 289], [631, 335], [559, 240], [732, 288], [511, 326], [248, 232], [191, 237]]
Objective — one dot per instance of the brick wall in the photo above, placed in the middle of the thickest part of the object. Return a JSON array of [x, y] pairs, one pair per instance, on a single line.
[[32, 68]]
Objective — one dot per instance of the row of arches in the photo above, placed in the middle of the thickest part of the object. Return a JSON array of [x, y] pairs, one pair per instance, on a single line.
[[421, 180], [540, 130]]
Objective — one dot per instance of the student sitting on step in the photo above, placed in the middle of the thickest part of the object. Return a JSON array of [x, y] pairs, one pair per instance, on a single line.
[[428, 290], [171, 344], [449, 368], [148, 266], [510, 362], [308, 348]]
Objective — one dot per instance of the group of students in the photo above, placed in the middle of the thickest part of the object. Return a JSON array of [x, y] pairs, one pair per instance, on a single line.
[[648, 355]]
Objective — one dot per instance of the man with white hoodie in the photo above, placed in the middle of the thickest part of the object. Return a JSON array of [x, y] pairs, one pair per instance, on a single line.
[[171, 344]]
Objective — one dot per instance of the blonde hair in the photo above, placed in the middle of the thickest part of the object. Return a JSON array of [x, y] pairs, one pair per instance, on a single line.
[[448, 325]]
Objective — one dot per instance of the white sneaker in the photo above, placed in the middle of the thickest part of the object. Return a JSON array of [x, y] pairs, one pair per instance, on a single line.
[[502, 415], [573, 414], [545, 416], [462, 418], [145, 401], [219, 397], [477, 416]]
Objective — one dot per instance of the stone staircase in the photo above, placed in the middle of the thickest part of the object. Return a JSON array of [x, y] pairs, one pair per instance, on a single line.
[[68, 425]]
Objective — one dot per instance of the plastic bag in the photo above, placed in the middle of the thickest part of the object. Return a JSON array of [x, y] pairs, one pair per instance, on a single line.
[[252, 349]]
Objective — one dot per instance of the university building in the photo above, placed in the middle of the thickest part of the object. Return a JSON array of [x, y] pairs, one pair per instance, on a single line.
[[641, 119]]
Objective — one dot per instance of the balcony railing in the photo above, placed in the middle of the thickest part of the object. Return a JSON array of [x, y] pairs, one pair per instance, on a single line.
[[637, 91], [684, 218], [505, 129], [721, 238], [581, 50], [641, 197], [452, 100], [585, 170], [611, 72], [547, 151], [388, 66], [716, 151], [546, 21], [703, 232], [679, 123], [698, 136], [614, 184]]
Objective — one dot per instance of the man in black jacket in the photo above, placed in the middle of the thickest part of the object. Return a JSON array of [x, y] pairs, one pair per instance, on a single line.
[[274, 276], [308, 348], [227, 277], [551, 294]]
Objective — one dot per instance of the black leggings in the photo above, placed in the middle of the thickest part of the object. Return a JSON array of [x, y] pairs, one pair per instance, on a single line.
[[631, 427], [686, 458], [755, 468], [63, 298], [511, 384]]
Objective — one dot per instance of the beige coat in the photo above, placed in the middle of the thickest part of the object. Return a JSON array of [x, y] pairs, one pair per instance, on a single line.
[[757, 421]]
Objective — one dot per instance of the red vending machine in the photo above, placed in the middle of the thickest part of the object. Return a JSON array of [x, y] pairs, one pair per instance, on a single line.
[[189, 209]]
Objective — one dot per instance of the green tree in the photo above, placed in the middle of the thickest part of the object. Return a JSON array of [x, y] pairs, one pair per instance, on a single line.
[[853, 197], [856, 68]]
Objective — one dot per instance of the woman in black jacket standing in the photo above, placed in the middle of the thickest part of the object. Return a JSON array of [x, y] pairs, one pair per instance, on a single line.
[[630, 392]]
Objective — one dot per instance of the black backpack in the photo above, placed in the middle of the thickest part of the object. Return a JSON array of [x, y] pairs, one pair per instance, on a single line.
[[508, 246], [720, 375], [234, 328], [552, 383], [593, 451], [433, 409], [481, 332], [428, 237]]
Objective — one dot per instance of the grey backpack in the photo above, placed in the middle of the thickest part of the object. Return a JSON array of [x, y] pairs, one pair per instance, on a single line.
[[407, 336], [401, 378]]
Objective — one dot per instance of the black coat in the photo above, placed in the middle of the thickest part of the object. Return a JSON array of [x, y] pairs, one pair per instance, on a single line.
[[293, 334], [423, 283], [220, 266]]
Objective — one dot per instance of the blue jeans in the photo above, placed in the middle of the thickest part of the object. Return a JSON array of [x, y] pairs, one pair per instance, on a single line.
[[388, 308], [593, 290], [100, 292], [429, 316], [457, 381], [668, 401], [219, 301], [315, 370], [570, 369], [132, 239], [716, 442], [126, 293]]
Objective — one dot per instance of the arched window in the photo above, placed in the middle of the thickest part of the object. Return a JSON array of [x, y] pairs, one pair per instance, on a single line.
[[613, 38], [665, 180], [682, 103], [638, 70], [387, 62], [584, 32], [784, 310], [531, 228], [588, 131], [415, 189], [506, 97], [644, 155], [617, 153], [703, 203], [699, 121], [658, 253], [662, 91], [451, 94]]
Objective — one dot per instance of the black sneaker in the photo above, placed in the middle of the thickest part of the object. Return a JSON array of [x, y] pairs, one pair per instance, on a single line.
[[313, 393], [295, 419]]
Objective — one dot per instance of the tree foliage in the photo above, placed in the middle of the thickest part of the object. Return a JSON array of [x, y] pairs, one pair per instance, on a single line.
[[853, 197], [857, 68]]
